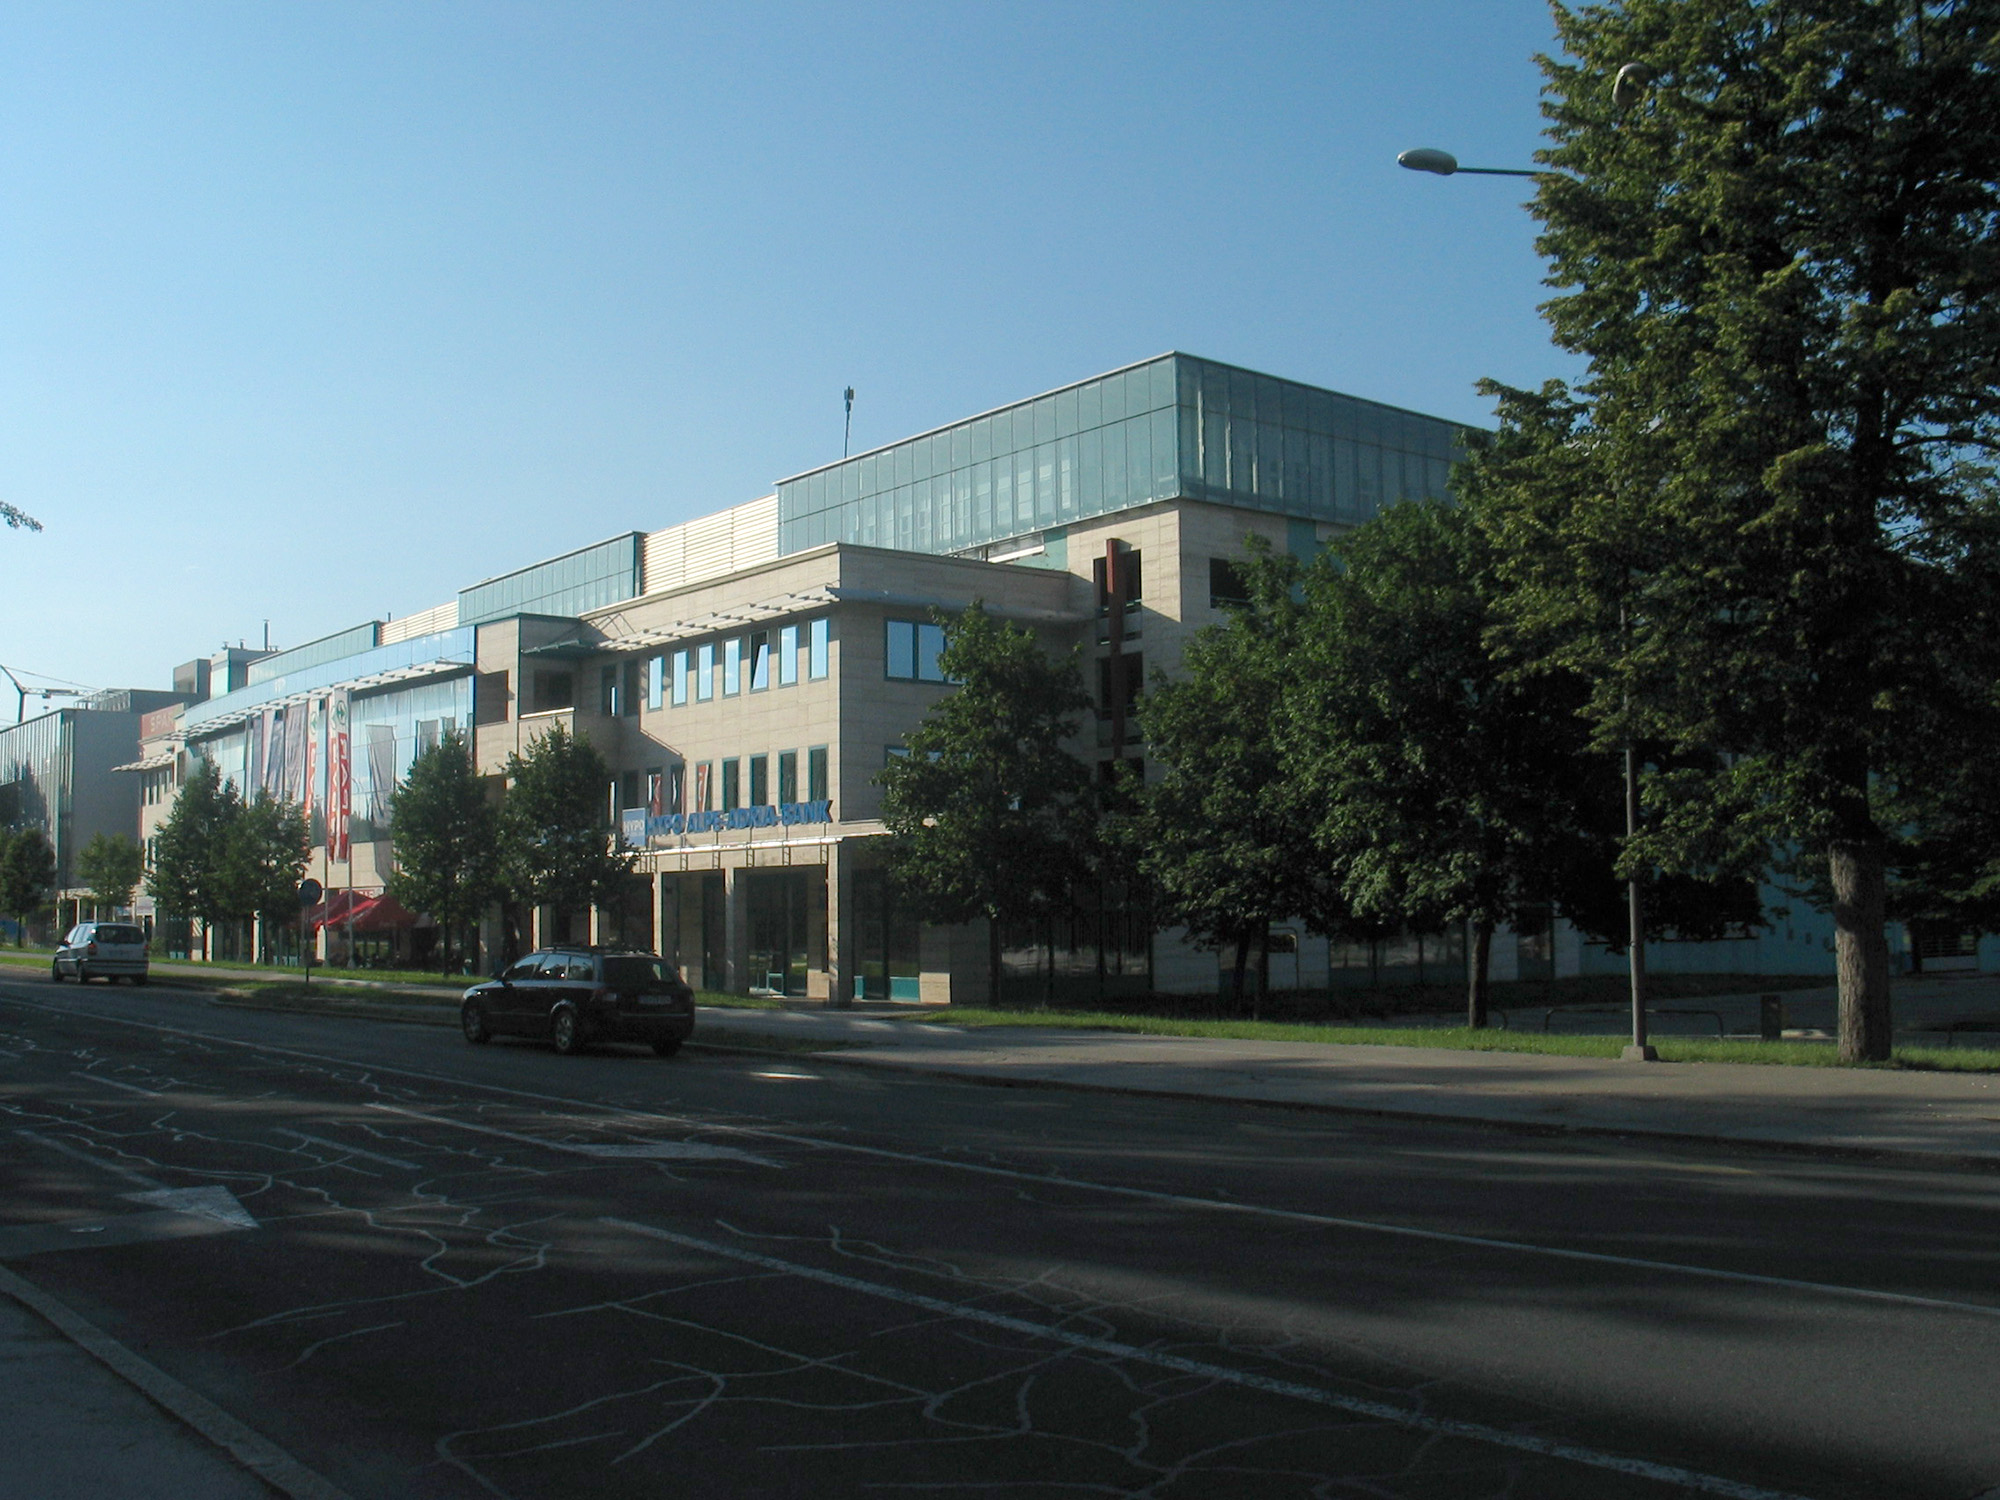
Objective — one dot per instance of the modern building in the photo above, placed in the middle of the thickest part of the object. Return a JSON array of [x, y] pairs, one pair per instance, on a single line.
[[56, 775], [748, 674]]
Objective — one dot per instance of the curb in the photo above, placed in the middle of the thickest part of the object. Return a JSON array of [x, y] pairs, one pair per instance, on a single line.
[[248, 1447]]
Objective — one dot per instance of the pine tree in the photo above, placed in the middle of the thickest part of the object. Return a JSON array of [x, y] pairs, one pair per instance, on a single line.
[[1764, 521]]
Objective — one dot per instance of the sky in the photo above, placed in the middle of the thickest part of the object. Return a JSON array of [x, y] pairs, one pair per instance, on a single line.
[[311, 314]]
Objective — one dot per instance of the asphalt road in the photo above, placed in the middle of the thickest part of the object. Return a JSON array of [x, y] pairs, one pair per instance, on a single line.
[[427, 1269]]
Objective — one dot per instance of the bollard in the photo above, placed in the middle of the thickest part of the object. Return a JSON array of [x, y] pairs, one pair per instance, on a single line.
[[1770, 1017]]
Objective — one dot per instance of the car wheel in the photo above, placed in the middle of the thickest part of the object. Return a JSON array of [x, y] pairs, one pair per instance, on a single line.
[[82, 974], [55, 972], [472, 1019], [667, 1048], [567, 1035]]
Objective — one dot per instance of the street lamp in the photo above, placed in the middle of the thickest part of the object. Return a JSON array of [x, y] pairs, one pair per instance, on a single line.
[[1627, 89]]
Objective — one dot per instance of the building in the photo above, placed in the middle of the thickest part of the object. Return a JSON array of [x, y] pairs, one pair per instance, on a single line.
[[747, 674], [56, 775]]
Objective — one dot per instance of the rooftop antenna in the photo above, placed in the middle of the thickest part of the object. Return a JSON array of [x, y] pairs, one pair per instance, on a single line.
[[847, 433], [267, 635]]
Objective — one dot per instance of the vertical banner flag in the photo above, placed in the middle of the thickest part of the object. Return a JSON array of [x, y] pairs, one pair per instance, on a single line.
[[339, 778], [294, 789], [314, 758]]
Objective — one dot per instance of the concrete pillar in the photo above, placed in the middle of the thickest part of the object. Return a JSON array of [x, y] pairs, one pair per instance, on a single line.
[[842, 950], [735, 932]]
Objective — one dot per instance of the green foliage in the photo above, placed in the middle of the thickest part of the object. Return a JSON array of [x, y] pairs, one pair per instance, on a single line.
[[555, 844], [265, 856], [27, 875], [1226, 840], [190, 852], [990, 813], [1777, 471], [447, 840], [110, 865], [18, 519]]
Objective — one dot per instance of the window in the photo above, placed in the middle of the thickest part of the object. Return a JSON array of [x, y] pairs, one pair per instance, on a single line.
[[628, 690], [704, 787], [893, 753], [760, 660], [680, 679], [704, 672], [730, 785], [554, 690], [656, 671], [913, 649], [634, 791], [817, 785], [788, 776], [760, 780], [817, 632], [732, 666], [1128, 568], [788, 656], [1226, 586], [607, 691]]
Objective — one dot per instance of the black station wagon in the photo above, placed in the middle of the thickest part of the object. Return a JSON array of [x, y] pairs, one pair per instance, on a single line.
[[572, 997]]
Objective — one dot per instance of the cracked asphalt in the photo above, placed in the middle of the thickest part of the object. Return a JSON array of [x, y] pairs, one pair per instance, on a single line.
[[426, 1269]]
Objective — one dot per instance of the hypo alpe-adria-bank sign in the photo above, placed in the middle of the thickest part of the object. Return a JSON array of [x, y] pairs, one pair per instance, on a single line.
[[643, 830]]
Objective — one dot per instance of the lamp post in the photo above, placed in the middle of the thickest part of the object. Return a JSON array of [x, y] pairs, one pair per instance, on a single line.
[[1627, 89]]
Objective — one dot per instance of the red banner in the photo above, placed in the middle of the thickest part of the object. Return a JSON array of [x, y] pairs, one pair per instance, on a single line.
[[339, 778]]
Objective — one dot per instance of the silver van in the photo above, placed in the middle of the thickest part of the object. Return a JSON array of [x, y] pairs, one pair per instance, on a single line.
[[115, 950]]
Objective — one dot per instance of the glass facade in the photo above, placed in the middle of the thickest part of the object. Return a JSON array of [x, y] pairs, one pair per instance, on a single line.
[[335, 647], [588, 578], [1172, 427]]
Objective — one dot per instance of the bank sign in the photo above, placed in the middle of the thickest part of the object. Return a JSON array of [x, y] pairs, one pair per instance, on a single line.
[[643, 830]]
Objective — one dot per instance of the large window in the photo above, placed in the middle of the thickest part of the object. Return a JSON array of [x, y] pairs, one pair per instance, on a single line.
[[656, 671], [554, 690], [732, 666], [704, 672], [680, 678], [788, 655], [912, 651], [760, 780], [817, 632], [730, 785], [760, 660], [817, 785], [788, 776]]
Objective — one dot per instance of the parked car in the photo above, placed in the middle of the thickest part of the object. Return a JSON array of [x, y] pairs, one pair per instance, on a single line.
[[114, 950], [572, 997]]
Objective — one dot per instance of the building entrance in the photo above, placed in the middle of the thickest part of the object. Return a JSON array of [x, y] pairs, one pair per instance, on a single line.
[[780, 906]]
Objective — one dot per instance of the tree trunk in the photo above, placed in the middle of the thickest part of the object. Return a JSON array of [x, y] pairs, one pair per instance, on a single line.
[[1263, 995], [1242, 965], [993, 962], [1049, 973], [1861, 950], [1478, 984]]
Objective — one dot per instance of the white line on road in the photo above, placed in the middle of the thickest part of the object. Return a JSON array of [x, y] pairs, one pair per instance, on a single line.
[[130, 1088], [603, 1151], [1477, 1432], [346, 1150], [1051, 1180], [68, 1150]]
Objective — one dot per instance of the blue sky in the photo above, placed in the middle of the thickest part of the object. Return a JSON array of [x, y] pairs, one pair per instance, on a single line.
[[312, 313]]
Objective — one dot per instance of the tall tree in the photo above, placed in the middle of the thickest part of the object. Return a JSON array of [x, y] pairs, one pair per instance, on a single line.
[[1226, 838], [27, 876], [110, 865], [987, 809], [1765, 518], [191, 869], [447, 844], [1447, 786], [265, 853], [555, 838]]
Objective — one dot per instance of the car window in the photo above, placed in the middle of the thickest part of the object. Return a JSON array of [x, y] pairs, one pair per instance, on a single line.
[[633, 975], [118, 932], [77, 934], [554, 966], [527, 968], [581, 968]]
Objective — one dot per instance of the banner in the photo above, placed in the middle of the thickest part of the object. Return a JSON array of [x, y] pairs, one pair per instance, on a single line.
[[315, 757], [339, 778], [296, 759], [272, 783]]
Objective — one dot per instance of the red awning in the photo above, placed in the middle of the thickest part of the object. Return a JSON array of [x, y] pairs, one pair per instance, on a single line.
[[360, 911]]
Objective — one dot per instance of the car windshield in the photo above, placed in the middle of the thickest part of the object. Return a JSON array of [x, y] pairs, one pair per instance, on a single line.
[[110, 933], [631, 975]]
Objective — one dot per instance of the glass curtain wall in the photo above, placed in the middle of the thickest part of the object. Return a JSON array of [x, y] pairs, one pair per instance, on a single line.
[[1172, 427]]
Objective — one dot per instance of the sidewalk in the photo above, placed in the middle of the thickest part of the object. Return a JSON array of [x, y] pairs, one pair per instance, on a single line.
[[1944, 1118]]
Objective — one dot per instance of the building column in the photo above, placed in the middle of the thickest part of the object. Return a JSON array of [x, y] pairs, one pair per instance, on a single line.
[[735, 932], [842, 950]]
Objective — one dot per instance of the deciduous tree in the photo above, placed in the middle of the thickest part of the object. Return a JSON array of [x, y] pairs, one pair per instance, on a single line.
[[555, 840], [447, 841], [111, 865], [27, 876]]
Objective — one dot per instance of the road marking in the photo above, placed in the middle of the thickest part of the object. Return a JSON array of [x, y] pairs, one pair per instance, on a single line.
[[216, 1203], [84, 1156], [1477, 1432], [252, 1449], [19, 1241], [1045, 1179], [346, 1150], [609, 1151], [130, 1088]]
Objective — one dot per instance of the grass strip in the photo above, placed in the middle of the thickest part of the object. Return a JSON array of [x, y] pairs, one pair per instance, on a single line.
[[1464, 1039]]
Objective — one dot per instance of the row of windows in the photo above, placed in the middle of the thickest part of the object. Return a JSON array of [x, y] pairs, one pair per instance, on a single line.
[[739, 663], [734, 781]]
